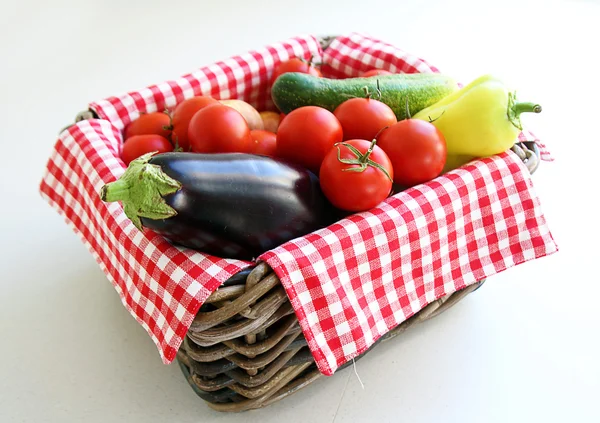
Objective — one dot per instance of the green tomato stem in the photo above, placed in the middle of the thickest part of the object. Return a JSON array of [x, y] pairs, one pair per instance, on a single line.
[[365, 157], [361, 160]]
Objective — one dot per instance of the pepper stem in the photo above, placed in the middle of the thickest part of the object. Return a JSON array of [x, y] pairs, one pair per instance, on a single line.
[[141, 189], [523, 107], [515, 108]]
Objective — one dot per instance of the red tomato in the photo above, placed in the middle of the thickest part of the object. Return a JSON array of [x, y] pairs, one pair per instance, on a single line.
[[149, 123], [219, 129], [183, 115], [363, 118], [263, 142], [296, 65], [375, 72], [359, 186], [139, 145], [417, 150], [306, 135]]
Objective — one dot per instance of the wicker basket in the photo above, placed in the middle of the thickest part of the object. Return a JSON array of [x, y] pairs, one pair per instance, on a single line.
[[245, 348]]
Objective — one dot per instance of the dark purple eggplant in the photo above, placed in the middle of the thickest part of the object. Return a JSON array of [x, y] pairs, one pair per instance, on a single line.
[[231, 205]]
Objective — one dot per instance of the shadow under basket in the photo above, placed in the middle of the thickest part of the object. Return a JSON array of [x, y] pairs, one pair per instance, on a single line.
[[245, 349]]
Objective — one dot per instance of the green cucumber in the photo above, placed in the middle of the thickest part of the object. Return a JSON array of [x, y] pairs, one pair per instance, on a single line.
[[293, 90]]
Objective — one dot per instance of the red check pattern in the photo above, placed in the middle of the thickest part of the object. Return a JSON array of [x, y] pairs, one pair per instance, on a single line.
[[352, 55], [352, 282], [348, 283], [162, 286], [246, 77]]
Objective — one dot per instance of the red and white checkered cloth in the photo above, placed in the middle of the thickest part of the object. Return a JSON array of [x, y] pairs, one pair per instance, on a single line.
[[348, 283]]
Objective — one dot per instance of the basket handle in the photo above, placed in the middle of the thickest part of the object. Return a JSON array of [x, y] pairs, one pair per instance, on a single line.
[[83, 115], [529, 153], [326, 40]]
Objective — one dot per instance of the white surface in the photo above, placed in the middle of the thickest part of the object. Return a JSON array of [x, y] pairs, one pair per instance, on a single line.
[[524, 348]]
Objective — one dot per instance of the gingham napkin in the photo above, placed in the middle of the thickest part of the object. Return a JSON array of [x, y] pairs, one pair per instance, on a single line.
[[348, 283]]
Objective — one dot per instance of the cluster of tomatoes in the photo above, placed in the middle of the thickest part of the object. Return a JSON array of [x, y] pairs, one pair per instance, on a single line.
[[359, 151], [193, 126]]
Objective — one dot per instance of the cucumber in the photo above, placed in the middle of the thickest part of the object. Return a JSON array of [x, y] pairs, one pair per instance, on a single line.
[[293, 90]]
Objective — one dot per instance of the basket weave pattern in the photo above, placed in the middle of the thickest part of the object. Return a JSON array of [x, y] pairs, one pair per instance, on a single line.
[[246, 350]]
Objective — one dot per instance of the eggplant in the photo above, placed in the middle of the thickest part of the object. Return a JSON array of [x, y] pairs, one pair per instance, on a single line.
[[231, 205]]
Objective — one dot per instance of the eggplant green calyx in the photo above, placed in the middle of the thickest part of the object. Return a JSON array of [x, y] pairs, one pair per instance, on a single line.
[[141, 189]]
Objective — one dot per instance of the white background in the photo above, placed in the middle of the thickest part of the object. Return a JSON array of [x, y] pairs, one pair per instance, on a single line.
[[524, 348]]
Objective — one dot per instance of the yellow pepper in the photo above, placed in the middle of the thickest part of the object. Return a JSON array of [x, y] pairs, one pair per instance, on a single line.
[[480, 119]]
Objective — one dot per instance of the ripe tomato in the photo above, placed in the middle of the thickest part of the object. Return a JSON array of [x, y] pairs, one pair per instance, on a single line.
[[263, 142], [306, 135], [219, 129], [359, 179], [139, 145], [375, 72], [149, 123], [296, 64], [183, 115], [363, 118], [417, 150]]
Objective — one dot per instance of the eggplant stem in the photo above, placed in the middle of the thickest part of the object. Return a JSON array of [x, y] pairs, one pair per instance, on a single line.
[[141, 189], [115, 191]]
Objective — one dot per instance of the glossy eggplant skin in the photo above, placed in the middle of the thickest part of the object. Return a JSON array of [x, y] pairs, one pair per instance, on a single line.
[[236, 205]]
